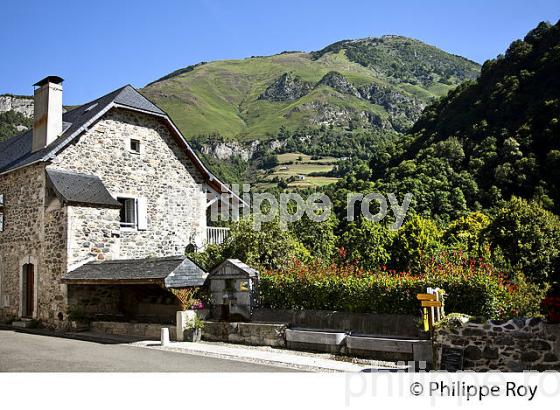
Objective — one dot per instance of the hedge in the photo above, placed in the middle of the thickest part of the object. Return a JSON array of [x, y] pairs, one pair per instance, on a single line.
[[474, 290]]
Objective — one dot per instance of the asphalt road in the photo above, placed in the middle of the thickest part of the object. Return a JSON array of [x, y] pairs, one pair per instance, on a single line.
[[23, 352]]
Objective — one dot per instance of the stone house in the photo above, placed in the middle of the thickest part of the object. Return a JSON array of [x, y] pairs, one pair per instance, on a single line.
[[97, 207]]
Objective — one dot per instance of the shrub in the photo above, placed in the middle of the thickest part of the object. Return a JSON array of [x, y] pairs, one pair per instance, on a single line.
[[529, 236], [472, 287], [417, 238], [368, 243], [467, 232], [270, 247], [551, 308]]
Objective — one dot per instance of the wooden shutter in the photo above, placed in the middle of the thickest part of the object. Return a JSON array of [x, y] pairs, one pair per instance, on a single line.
[[142, 214]]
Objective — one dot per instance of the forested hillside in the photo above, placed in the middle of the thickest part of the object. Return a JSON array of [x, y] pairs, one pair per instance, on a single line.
[[488, 139]]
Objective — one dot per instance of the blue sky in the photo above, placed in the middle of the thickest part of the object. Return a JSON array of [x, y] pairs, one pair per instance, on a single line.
[[99, 45]]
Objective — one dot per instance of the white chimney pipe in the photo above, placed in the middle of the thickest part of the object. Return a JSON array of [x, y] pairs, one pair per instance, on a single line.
[[47, 120]]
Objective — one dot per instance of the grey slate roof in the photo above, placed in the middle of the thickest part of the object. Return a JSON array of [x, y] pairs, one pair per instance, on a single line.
[[16, 151], [80, 188], [173, 272], [233, 268]]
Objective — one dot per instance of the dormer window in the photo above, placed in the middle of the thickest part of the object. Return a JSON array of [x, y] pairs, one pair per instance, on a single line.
[[134, 146]]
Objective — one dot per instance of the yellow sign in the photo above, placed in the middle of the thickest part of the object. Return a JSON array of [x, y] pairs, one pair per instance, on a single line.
[[244, 286], [431, 303]]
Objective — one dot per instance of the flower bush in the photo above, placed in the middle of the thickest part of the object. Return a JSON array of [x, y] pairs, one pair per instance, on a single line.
[[551, 308], [472, 287]]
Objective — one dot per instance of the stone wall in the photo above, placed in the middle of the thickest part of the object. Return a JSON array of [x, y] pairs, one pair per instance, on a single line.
[[33, 234], [94, 234], [257, 334], [144, 331], [365, 323], [23, 235], [514, 345], [51, 294], [94, 300], [161, 173]]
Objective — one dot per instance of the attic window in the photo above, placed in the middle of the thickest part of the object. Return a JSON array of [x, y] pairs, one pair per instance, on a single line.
[[135, 146]]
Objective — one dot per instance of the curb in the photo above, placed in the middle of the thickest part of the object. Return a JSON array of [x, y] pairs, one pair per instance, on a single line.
[[239, 358]]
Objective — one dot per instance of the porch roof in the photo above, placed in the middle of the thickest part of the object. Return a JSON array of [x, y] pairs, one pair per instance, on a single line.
[[171, 272]]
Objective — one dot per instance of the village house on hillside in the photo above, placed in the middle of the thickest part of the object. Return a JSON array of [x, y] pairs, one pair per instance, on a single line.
[[97, 207]]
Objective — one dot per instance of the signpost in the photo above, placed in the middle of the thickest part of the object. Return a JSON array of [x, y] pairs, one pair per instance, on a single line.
[[431, 308]]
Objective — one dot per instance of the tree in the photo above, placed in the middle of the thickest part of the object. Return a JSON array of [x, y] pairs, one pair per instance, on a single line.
[[467, 233], [317, 237], [417, 239], [368, 243], [528, 236], [270, 247]]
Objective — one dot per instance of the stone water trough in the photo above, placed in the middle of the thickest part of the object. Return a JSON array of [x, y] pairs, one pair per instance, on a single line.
[[382, 347], [359, 345], [316, 340]]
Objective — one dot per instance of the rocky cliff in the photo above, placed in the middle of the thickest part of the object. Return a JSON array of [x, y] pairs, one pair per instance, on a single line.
[[21, 104]]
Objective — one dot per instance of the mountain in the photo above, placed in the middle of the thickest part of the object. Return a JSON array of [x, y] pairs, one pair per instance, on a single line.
[[16, 113], [491, 138], [374, 83]]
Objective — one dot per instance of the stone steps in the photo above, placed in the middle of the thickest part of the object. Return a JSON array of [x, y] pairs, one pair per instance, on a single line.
[[23, 323]]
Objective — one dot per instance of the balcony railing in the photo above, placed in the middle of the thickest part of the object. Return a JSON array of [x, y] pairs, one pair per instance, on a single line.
[[216, 235]]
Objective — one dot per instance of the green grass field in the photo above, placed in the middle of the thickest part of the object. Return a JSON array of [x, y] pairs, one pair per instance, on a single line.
[[293, 164], [223, 96]]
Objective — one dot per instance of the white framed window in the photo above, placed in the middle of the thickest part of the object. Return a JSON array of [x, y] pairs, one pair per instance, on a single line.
[[135, 146], [133, 213]]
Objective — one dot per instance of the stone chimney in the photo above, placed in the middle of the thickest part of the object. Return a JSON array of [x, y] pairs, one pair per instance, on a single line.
[[47, 121]]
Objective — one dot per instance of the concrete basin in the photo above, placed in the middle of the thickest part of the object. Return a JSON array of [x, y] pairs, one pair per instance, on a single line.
[[320, 341]]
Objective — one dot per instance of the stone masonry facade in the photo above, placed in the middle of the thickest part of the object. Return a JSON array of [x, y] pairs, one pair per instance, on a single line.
[[514, 345], [162, 174], [57, 237]]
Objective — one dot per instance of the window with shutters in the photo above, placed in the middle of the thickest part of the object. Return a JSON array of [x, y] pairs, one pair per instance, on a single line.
[[128, 212], [133, 213]]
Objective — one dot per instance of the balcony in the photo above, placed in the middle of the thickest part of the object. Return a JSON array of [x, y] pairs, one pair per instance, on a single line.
[[216, 235]]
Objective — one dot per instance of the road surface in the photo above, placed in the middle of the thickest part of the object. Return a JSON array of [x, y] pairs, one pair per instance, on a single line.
[[23, 352]]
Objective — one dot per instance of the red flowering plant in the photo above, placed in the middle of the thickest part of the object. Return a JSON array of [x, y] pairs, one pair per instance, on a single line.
[[551, 308], [473, 286]]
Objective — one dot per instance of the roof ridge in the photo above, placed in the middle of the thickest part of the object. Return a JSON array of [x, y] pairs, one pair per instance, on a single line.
[[150, 106], [147, 259]]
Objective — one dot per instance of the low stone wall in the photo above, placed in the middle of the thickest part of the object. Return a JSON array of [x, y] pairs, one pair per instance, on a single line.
[[257, 334], [145, 331], [401, 326], [514, 345]]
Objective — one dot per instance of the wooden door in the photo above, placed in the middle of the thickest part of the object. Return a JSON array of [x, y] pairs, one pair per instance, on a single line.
[[28, 290]]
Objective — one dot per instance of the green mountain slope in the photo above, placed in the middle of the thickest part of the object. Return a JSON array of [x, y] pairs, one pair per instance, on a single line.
[[491, 138], [375, 83]]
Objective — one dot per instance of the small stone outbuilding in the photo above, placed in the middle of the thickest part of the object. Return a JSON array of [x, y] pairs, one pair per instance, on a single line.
[[233, 290]]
